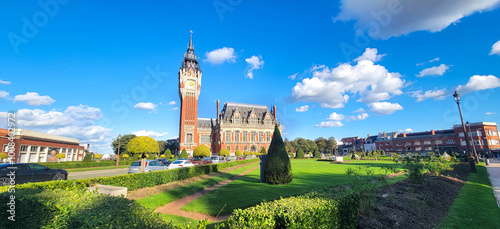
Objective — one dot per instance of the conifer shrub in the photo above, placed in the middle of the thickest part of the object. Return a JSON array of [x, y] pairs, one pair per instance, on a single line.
[[300, 153], [184, 154], [316, 153], [263, 151], [278, 169]]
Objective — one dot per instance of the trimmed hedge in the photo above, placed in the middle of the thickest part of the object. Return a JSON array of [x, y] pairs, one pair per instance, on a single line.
[[37, 208], [133, 181], [82, 164], [318, 209]]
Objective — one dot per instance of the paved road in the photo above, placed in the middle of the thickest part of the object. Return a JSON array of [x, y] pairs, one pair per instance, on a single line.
[[494, 172], [96, 173]]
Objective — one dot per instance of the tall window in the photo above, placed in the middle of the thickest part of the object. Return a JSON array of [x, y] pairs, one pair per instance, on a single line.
[[237, 135], [205, 138], [245, 148], [229, 148], [228, 136], [261, 136], [245, 136], [236, 148], [268, 136], [33, 148], [24, 148], [252, 121], [252, 136], [438, 142], [189, 138]]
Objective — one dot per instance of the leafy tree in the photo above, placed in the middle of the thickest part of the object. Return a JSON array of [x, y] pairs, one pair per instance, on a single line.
[[321, 143], [316, 153], [278, 169], [300, 153], [3, 156], [162, 145], [184, 154], [201, 151], [173, 145], [263, 151], [97, 156], [331, 144], [168, 154], [288, 146], [60, 156], [88, 157], [224, 153], [124, 140], [125, 156], [143, 145], [238, 153]]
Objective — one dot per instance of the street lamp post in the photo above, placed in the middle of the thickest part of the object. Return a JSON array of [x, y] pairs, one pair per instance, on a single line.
[[476, 158], [118, 154], [470, 157]]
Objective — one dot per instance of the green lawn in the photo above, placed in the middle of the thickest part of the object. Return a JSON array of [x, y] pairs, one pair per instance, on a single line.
[[163, 198], [180, 221], [308, 174], [475, 205]]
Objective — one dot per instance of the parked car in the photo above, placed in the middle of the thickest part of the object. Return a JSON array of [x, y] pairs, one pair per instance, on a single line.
[[29, 172], [150, 165], [216, 160], [180, 163], [166, 162], [197, 161]]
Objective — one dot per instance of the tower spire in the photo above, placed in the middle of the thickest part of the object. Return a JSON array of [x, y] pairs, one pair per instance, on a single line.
[[190, 46]]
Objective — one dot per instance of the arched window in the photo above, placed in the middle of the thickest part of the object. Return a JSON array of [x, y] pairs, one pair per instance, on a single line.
[[236, 148], [253, 149], [229, 148], [189, 138], [245, 148]]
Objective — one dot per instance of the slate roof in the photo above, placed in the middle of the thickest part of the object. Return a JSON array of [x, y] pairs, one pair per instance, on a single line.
[[206, 123], [245, 110]]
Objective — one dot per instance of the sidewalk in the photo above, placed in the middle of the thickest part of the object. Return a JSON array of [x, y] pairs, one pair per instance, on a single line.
[[494, 174]]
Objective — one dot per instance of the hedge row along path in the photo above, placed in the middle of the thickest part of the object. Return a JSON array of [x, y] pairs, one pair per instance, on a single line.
[[174, 208]]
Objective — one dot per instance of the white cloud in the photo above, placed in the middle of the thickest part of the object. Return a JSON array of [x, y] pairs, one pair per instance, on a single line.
[[359, 110], [146, 106], [174, 109], [302, 108], [330, 124], [4, 95], [385, 19], [219, 56], [254, 63], [385, 108], [371, 55], [336, 117], [293, 77], [436, 94], [407, 130], [434, 71], [430, 61], [34, 99], [149, 133], [361, 116], [495, 49], [171, 103], [75, 122], [478, 82], [489, 113], [332, 87], [5, 82]]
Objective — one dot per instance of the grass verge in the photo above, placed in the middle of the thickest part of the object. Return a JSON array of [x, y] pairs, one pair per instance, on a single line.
[[475, 205], [97, 168], [163, 198], [180, 221]]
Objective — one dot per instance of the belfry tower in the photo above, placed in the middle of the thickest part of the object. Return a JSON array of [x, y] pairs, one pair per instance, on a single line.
[[189, 91]]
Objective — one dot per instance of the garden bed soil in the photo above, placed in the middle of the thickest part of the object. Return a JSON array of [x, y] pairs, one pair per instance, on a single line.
[[408, 205], [145, 192]]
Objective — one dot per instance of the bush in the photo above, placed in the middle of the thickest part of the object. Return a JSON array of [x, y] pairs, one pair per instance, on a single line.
[[184, 154], [316, 153], [263, 151], [201, 151], [133, 181], [77, 209], [82, 164], [318, 209], [224, 152], [168, 154], [278, 169], [415, 167], [88, 157], [239, 153], [300, 153]]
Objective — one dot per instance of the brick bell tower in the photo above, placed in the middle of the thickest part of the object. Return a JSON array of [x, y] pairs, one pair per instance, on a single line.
[[189, 91]]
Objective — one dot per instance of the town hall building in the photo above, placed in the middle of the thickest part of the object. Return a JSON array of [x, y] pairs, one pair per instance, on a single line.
[[238, 126]]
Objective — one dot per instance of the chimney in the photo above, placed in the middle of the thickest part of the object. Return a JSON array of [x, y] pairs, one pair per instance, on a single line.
[[433, 133], [217, 109], [385, 134], [274, 112], [368, 135], [404, 134]]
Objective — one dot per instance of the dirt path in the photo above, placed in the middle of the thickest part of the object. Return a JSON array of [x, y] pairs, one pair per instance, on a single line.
[[174, 208]]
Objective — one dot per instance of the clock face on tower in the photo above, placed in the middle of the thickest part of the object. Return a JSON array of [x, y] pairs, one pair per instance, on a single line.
[[190, 85]]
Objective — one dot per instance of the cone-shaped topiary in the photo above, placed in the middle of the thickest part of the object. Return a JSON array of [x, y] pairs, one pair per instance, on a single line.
[[263, 151], [316, 153], [184, 154], [278, 169], [300, 153]]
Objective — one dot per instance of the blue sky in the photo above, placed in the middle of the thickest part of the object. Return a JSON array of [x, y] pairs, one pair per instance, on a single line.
[[93, 70]]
